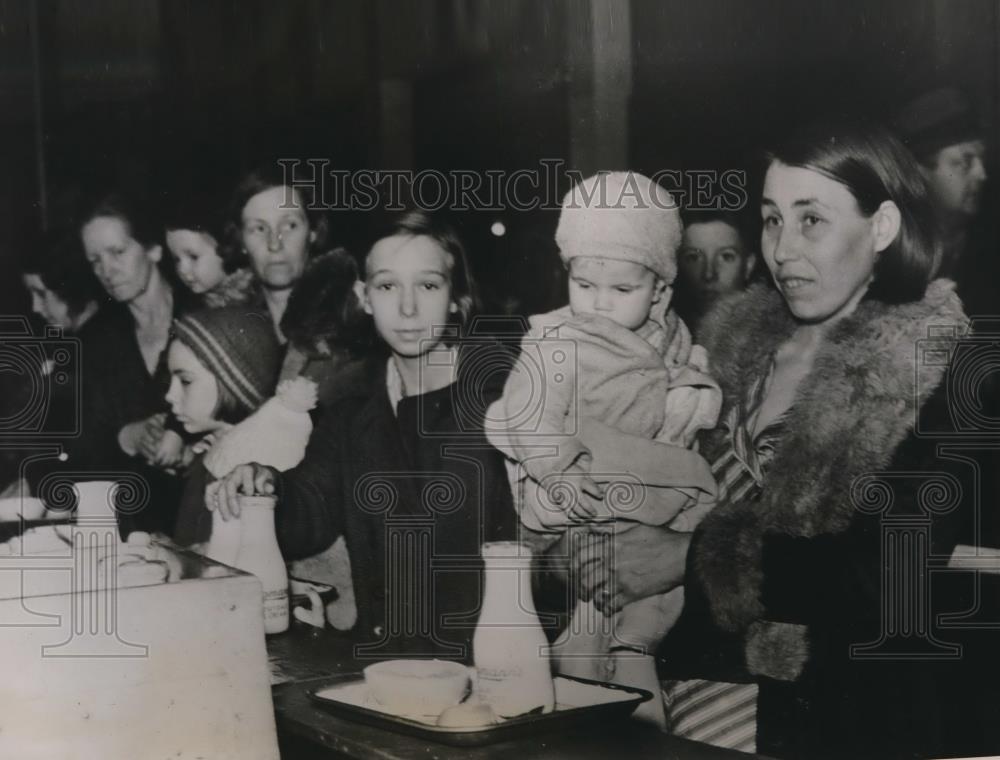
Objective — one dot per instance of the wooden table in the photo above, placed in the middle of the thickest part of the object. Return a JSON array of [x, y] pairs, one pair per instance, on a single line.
[[305, 732]]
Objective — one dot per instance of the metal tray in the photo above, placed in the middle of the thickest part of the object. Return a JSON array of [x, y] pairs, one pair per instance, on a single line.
[[564, 716]]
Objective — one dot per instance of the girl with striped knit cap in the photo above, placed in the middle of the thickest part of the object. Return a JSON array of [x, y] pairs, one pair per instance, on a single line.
[[223, 365]]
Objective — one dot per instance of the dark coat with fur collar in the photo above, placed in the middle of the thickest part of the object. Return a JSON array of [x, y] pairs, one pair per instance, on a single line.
[[780, 589]]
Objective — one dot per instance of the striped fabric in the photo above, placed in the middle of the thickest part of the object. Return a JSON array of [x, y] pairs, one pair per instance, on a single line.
[[725, 714], [207, 346]]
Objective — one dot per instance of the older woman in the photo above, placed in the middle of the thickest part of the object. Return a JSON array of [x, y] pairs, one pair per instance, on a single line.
[[125, 377], [825, 396]]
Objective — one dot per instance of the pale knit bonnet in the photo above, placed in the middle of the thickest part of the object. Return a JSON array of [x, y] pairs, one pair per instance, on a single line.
[[624, 216]]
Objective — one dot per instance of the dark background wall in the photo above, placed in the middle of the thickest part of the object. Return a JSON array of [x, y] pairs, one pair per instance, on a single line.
[[156, 94]]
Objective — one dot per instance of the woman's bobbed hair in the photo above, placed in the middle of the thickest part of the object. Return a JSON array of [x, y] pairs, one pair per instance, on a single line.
[[875, 167]]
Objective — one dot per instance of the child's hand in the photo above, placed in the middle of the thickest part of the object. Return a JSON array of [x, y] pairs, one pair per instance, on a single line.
[[204, 444], [246, 480], [575, 491], [300, 394]]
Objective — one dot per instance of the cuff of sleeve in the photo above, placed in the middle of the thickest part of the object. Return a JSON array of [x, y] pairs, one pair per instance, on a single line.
[[124, 442]]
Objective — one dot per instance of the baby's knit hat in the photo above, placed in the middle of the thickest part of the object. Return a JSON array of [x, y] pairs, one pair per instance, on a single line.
[[624, 216], [239, 346]]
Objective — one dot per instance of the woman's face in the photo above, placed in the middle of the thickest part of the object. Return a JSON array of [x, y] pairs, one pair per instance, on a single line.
[[194, 393], [121, 264], [196, 256], [276, 236], [818, 245], [408, 292], [46, 304]]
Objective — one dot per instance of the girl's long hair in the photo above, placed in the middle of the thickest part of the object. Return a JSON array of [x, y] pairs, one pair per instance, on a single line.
[[415, 223]]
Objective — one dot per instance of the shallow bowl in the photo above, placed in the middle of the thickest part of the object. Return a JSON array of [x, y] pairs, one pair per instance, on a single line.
[[417, 687]]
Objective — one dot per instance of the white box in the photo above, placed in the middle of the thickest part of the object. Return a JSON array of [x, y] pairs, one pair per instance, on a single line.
[[172, 670]]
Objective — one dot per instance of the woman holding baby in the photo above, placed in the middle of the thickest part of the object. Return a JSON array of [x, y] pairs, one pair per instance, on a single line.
[[823, 400]]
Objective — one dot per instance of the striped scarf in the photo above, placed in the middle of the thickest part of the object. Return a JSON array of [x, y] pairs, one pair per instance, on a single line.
[[725, 714]]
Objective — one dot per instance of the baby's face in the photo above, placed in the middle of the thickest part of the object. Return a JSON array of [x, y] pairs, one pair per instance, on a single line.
[[622, 291]]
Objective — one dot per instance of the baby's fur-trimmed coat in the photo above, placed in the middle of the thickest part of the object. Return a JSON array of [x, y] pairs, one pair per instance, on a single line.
[[780, 589]]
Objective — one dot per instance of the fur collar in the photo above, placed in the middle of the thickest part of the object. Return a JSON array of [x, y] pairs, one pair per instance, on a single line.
[[850, 414]]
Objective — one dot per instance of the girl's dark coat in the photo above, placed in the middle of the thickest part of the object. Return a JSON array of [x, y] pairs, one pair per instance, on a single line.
[[414, 493], [780, 589]]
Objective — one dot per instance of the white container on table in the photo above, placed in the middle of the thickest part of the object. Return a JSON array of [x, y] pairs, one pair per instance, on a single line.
[[259, 554], [175, 669], [509, 646]]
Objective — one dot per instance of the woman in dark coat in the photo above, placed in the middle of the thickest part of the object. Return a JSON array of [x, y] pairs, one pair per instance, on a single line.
[[126, 426], [810, 580], [65, 295]]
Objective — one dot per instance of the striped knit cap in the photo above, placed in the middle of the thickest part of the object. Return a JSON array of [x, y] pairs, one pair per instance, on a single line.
[[237, 345]]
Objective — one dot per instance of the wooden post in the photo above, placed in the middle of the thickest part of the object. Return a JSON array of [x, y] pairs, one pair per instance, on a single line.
[[39, 121], [600, 64]]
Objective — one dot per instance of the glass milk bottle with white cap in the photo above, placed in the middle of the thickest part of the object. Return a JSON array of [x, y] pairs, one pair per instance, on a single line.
[[509, 645], [259, 554]]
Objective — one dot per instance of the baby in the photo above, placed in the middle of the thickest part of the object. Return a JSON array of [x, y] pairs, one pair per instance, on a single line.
[[600, 411]]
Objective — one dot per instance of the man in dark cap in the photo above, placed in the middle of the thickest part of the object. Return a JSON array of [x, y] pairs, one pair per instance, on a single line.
[[941, 129]]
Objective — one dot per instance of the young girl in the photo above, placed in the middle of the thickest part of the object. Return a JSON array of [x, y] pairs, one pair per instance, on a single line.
[[223, 366], [399, 463], [205, 267]]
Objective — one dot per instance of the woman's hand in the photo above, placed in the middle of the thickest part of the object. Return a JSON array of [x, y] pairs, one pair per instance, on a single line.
[[169, 450], [647, 560], [142, 436], [153, 429], [246, 480]]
